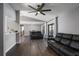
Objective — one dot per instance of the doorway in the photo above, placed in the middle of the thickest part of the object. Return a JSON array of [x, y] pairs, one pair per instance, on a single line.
[[50, 30]]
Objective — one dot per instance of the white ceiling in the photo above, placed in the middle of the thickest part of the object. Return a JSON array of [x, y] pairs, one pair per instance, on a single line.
[[57, 8], [29, 20]]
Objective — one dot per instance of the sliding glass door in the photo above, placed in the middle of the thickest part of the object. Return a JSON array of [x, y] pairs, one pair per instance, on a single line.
[[50, 30]]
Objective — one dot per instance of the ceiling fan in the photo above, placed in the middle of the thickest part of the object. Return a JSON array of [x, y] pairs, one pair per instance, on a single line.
[[39, 9]]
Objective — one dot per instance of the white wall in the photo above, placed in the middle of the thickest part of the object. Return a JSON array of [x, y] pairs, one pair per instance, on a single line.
[[68, 22], [9, 38], [30, 27]]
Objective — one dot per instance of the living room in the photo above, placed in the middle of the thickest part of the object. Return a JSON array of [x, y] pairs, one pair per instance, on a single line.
[[42, 33]]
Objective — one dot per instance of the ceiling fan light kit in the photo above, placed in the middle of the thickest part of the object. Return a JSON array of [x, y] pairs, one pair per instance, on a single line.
[[39, 9]]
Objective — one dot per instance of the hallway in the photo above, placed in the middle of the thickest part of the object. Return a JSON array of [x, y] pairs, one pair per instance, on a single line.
[[34, 48]]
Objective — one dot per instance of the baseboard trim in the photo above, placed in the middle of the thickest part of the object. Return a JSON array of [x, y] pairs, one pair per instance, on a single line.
[[9, 48]]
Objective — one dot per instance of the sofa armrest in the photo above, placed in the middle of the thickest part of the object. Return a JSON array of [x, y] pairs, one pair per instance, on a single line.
[[51, 38]]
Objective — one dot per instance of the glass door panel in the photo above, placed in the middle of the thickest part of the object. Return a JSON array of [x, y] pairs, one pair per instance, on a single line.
[[50, 30]]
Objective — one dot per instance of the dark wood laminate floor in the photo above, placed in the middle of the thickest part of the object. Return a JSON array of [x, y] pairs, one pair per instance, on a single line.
[[30, 47]]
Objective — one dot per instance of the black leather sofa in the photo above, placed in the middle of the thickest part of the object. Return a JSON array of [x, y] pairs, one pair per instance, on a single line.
[[36, 35], [65, 44]]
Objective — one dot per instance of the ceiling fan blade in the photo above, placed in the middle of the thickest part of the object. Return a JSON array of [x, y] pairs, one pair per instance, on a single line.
[[32, 7], [42, 5], [32, 11], [46, 10], [42, 13], [36, 14]]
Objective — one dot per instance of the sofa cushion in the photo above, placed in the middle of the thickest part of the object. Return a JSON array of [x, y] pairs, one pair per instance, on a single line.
[[77, 53], [67, 51], [56, 45], [51, 38], [58, 37], [65, 41], [51, 41], [67, 36], [75, 37], [75, 44]]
